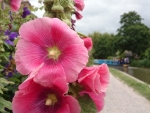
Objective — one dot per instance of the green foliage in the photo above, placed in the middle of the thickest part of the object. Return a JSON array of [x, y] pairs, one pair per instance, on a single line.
[[147, 53], [140, 63], [87, 105], [85, 101], [3, 87], [4, 104], [133, 35], [4, 82], [103, 45]]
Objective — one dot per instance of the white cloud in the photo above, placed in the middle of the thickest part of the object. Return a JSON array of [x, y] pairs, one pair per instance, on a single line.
[[104, 15]]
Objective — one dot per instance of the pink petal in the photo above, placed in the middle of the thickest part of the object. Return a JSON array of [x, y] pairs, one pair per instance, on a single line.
[[104, 76], [23, 101], [28, 56], [73, 104], [98, 99], [63, 36], [61, 84], [15, 5], [79, 4], [76, 57], [64, 109], [26, 84], [38, 31], [87, 80], [88, 43], [48, 74], [95, 78]]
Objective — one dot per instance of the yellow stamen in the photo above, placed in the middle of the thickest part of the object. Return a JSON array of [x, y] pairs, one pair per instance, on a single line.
[[51, 100], [53, 52]]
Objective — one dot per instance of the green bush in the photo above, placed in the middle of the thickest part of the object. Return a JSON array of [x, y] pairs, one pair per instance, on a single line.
[[140, 63]]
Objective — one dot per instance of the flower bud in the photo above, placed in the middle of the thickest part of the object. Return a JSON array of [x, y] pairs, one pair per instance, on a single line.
[[65, 19], [57, 7]]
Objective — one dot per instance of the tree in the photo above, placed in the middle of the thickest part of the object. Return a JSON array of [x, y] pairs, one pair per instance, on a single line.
[[133, 35], [102, 44]]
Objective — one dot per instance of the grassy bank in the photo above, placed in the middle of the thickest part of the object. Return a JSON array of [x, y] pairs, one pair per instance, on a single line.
[[141, 88]]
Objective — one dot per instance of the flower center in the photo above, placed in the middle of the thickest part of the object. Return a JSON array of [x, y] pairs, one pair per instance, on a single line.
[[51, 100], [53, 52]]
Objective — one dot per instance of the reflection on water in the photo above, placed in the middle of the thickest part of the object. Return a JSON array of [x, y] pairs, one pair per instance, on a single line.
[[140, 73]]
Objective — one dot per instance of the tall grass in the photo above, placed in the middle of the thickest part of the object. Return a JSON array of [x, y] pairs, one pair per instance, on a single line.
[[141, 88]]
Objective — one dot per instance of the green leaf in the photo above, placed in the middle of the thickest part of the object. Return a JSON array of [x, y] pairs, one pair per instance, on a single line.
[[2, 80], [87, 104], [4, 103]]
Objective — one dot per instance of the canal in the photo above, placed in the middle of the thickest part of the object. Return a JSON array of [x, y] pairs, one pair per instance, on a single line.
[[142, 74]]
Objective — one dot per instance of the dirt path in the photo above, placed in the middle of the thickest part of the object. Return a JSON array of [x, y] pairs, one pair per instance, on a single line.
[[122, 99]]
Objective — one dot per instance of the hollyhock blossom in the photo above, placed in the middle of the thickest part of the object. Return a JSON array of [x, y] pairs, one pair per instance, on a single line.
[[51, 43], [35, 98], [79, 4], [95, 78], [97, 98], [15, 5], [88, 43]]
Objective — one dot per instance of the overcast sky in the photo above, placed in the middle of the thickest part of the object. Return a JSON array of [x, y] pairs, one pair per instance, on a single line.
[[104, 15]]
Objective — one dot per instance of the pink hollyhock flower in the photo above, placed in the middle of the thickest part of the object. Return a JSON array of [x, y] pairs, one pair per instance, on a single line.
[[35, 98], [97, 98], [88, 43], [79, 4], [52, 45], [95, 78], [15, 5]]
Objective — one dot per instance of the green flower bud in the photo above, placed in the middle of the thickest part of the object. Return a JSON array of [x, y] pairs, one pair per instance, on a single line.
[[57, 7], [65, 19], [51, 15]]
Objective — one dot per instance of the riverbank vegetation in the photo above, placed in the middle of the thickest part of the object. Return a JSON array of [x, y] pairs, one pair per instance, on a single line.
[[132, 40], [140, 63], [142, 88]]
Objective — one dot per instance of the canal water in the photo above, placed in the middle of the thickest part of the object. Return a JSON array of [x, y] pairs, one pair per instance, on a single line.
[[142, 74]]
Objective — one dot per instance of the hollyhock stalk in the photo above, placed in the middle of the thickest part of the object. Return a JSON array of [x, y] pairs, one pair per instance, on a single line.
[[54, 57]]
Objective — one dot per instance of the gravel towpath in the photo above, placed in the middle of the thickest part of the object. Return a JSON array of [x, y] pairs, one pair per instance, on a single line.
[[120, 98]]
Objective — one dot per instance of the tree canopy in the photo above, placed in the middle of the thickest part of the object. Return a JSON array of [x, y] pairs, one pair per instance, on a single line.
[[102, 44], [133, 35]]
